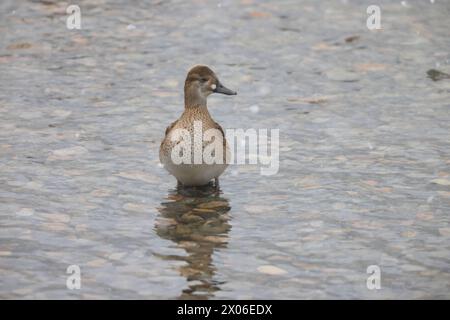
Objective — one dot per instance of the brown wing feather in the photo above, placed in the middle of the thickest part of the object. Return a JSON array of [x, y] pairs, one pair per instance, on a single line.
[[167, 131], [170, 126], [218, 127]]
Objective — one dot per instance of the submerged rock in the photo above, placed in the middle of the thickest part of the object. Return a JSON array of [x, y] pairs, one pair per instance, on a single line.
[[67, 153], [437, 75], [271, 270]]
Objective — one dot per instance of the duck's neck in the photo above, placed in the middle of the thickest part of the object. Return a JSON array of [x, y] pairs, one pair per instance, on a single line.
[[193, 98]]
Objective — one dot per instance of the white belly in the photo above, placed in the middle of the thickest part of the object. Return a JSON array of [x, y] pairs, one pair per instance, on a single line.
[[195, 174]]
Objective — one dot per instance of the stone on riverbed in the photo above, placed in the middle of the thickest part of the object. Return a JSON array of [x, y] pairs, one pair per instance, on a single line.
[[271, 270], [67, 153]]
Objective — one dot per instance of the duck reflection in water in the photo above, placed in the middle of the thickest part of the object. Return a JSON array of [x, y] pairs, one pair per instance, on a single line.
[[197, 220]]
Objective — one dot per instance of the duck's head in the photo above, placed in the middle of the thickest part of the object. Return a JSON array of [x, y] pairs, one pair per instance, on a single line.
[[200, 82]]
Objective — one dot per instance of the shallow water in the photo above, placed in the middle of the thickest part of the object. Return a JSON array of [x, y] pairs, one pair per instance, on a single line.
[[364, 150]]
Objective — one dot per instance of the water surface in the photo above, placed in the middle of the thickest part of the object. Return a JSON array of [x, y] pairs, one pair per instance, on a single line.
[[364, 150]]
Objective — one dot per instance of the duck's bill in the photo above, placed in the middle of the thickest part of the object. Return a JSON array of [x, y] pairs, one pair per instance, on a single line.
[[220, 88]]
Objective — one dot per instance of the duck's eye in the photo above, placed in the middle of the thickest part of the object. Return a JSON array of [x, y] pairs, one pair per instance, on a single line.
[[204, 79]]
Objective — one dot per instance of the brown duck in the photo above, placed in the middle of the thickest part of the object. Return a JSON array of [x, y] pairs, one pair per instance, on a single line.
[[200, 82]]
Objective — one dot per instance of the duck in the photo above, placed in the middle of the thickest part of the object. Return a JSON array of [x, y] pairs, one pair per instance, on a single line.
[[200, 82]]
